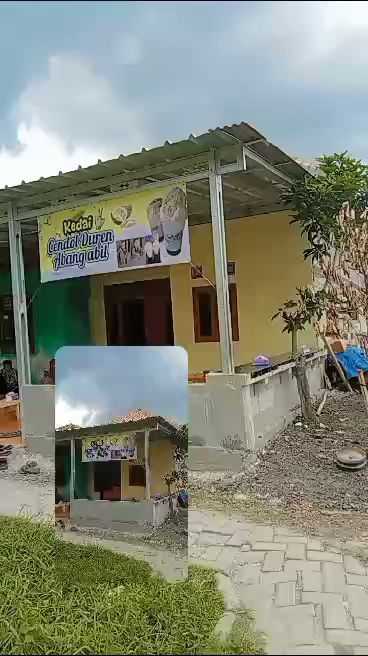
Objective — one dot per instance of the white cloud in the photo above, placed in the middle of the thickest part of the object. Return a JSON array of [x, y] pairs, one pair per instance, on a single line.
[[81, 106], [323, 43], [40, 153], [69, 117], [77, 414]]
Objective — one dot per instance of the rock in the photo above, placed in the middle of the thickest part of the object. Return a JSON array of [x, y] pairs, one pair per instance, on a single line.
[[30, 467]]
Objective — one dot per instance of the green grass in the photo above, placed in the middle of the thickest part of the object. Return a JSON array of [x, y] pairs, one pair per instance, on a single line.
[[59, 598]]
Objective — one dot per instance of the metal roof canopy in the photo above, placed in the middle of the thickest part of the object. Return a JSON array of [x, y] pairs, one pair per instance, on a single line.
[[254, 191], [151, 423], [230, 172]]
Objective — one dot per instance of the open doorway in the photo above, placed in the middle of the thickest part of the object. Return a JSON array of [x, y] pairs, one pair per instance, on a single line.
[[139, 314], [107, 480]]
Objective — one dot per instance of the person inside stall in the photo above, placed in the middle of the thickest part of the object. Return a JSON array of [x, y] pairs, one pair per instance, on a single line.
[[10, 377], [3, 389]]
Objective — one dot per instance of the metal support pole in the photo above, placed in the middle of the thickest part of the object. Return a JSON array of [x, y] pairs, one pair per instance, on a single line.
[[222, 284], [147, 465], [72, 470], [19, 300]]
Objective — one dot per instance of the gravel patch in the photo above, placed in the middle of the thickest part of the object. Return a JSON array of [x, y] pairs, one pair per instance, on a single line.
[[173, 534], [295, 481], [27, 493], [298, 465]]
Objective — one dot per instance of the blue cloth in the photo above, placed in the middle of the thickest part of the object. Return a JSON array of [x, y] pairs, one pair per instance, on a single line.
[[353, 360]]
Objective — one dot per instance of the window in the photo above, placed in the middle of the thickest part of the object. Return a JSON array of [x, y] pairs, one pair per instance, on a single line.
[[206, 328], [7, 334], [137, 476]]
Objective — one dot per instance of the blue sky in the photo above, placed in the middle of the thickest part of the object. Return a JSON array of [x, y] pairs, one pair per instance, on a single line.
[[97, 383], [88, 80]]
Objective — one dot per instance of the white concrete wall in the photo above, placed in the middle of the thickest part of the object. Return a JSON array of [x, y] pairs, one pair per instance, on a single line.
[[38, 418], [114, 515], [275, 399], [234, 414], [161, 510]]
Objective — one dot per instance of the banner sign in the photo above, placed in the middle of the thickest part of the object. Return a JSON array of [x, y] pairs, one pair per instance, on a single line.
[[144, 229], [104, 449]]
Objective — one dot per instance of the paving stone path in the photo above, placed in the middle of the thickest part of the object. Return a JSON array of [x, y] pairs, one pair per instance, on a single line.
[[308, 597]]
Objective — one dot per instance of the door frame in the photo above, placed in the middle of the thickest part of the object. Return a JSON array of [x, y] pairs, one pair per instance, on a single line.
[[121, 291]]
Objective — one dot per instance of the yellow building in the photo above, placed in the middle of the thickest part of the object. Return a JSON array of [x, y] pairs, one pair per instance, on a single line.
[[243, 257], [268, 256], [114, 474]]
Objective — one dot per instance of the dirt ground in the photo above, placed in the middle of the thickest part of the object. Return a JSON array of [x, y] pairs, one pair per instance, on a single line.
[[296, 480], [29, 494], [173, 535], [298, 466]]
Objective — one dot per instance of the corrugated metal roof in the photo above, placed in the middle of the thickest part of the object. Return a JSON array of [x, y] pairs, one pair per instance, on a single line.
[[171, 155], [149, 422], [251, 193]]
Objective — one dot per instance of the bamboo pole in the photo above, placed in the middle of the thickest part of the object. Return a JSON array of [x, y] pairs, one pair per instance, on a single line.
[[363, 386], [322, 404], [337, 363]]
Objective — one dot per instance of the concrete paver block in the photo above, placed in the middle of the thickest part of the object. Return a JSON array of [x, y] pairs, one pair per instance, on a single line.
[[212, 538], [328, 556], [299, 623], [349, 638], [257, 596], [262, 534], [358, 601], [268, 546], [295, 539], [254, 556], [315, 545], [273, 561], [361, 625], [248, 574], [333, 575], [211, 553], [285, 594], [271, 578], [311, 581], [302, 566], [295, 551], [239, 539], [353, 566], [266, 565], [334, 613], [356, 579]]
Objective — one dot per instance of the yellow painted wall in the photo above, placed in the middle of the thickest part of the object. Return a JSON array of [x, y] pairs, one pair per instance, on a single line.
[[269, 266], [161, 462]]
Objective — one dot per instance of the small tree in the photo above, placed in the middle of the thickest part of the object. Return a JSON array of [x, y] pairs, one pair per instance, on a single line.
[[307, 308], [179, 477], [170, 479], [332, 212]]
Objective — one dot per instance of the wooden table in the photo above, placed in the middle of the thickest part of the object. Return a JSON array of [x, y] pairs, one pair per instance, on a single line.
[[14, 405]]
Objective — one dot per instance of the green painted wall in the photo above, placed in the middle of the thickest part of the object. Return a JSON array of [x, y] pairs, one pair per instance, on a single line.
[[81, 476], [60, 316]]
